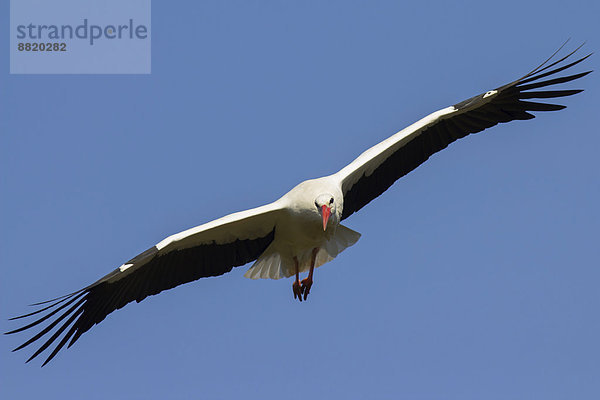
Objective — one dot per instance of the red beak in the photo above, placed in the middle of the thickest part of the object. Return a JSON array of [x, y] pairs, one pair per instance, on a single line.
[[326, 213]]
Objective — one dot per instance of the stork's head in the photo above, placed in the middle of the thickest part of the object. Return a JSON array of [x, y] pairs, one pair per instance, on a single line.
[[325, 204]]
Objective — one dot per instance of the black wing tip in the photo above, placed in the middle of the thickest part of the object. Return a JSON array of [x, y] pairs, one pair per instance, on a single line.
[[56, 298], [60, 303], [523, 84], [550, 62], [19, 347], [532, 83], [55, 325]]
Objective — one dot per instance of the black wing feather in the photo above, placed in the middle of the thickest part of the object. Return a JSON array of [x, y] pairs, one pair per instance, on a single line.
[[471, 116], [159, 272]]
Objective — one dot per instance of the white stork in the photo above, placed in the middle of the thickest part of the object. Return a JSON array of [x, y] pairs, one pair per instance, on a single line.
[[301, 230]]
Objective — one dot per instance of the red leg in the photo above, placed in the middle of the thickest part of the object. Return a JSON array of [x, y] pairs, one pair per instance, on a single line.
[[307, 283], [296, 288]]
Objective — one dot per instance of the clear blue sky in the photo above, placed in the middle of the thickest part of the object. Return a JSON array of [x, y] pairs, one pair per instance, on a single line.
[[476, 276]]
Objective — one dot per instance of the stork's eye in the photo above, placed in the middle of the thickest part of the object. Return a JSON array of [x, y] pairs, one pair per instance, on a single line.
[[331, 200]]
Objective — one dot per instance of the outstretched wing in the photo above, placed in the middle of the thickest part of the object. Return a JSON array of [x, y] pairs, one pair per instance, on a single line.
[[375, 170], [207, 250]]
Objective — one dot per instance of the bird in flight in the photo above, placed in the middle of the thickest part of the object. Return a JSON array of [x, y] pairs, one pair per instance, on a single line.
[[302, 230]]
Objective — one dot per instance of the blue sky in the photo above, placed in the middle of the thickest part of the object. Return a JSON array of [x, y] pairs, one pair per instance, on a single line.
[[476, 275]]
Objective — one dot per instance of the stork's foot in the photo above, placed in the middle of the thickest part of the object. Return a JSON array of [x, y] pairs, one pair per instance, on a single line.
[[297, 289], [306, 285]]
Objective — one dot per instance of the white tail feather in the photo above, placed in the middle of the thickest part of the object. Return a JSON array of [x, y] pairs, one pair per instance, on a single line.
[[271, 265]]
